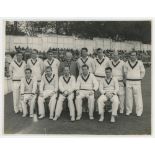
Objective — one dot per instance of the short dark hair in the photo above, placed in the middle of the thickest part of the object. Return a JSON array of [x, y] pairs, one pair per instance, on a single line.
[[133, 51], [48, 67], [35, 50], [98, 49], [84, 48], [28, 69], [85, 66], [19, 52], [49, 51], [108, 68]]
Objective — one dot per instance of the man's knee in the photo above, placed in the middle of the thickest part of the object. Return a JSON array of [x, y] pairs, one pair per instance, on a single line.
[[115, 99], [101, 99], [40, 100]]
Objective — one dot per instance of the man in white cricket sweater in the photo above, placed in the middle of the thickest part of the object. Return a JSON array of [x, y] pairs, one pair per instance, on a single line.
[[134, 72], [85, 88], [117, 66], [85, 60], [28, 92], [48, 88], [66, 86], [16, 70], [101, 62], [109, 88], [53, 62], [36, 64]]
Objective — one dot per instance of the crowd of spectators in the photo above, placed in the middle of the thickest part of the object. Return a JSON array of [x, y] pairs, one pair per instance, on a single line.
[[59, 53]]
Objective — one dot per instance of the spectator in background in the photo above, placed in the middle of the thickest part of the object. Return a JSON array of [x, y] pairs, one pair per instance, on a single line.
[[61, 55], [69, 62]]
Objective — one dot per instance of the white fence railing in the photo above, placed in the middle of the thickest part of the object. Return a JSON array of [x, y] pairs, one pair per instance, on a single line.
[[43, 43]]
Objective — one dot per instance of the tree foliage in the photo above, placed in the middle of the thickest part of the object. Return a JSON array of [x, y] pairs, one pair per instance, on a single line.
[[117, 30]]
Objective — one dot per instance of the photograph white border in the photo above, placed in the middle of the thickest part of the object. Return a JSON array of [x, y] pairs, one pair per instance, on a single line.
[[104, 10]]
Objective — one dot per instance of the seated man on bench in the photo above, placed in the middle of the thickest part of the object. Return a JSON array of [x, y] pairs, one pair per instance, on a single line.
[[48, 88], [86, 85], [108, 88], [66, 87]]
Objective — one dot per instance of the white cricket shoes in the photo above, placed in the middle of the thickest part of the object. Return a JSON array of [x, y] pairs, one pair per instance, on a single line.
[[41, 116], [78, 118], [112, 119], [101, 119]]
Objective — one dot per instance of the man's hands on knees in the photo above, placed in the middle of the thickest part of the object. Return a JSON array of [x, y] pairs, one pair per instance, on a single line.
[[41, 95], [91, 92], [65, 93], [52, 93], [108, 95], [77, 92]]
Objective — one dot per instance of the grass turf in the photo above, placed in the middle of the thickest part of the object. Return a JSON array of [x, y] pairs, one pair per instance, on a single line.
[[125, 125]]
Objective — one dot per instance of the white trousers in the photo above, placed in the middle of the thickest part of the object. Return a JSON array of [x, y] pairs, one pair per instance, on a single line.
[[31, 102], [133, 92], [121, 96], [97, 93], [59, 106], [16, 96], [101, 103], [52, 102], [78, 102]]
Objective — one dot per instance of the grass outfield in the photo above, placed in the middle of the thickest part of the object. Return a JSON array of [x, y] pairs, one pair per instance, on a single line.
[[125, 125]]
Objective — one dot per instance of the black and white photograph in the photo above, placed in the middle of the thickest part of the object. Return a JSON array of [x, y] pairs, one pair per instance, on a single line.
[[77, 77]]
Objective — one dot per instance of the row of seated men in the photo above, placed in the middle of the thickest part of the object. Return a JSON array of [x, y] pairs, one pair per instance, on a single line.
[[99, 74]]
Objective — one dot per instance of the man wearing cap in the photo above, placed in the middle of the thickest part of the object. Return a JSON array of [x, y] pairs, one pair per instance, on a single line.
[[117, 66], [16, 70], [85, 88], [134, 71]]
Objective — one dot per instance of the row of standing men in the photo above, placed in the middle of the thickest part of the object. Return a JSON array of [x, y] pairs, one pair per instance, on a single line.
[[108, 74]]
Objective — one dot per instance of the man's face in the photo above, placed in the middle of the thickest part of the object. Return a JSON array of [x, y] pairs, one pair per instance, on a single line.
[[50, 55], [34, 55], [19, 57], [100, 53], [61, 55], [28, 74], [115, 57], [66, 71], [108, 73], [48, 72], [68, 57], [55, 54], [133, 56], [85, 70], [84, 53]]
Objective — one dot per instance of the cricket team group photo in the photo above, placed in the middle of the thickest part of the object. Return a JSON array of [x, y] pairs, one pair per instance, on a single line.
[[78, 90]]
